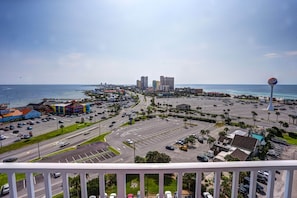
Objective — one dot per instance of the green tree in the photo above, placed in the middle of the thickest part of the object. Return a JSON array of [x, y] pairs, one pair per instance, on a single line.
[[222, 133], [191, 139], [189, 181], [139, 159], [202, 132], [156, 157], [210, 140], [285, 124]]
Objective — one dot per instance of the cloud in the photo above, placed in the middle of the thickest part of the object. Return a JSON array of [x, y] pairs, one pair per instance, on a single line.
[[291, 53], [272, 55], [281, 54]]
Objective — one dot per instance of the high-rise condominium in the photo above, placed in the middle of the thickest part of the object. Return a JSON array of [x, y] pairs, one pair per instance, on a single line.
[[166, 83]]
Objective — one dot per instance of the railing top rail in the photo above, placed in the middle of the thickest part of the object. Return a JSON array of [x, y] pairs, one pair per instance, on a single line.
[[150, 167]]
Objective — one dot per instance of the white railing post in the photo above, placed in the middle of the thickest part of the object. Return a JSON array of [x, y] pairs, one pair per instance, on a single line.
[[179, 184], [235, 184], [288, 184], [161, 185], [217, 183], [121, 184], [83, 185], [198, 184], [30, 185], [270, 185], [12, 185], [101, 184], [48, 185], [253, 182], [65, 185], [142, 191]]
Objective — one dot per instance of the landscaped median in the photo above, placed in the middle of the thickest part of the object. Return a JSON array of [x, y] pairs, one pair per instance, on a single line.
[[101, 138], [43, 137]]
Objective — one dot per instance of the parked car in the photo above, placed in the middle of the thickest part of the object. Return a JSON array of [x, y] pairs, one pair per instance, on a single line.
[[207, 195], [26, 136], [169, 147], [130, 196], [168, 194], [129, 141], [16, 131], [56, 175], [4, 189], [112, 195], [29, 128], [202, 158], [2, 137]]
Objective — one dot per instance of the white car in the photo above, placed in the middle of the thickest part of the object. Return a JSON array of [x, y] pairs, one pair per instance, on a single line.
[[2, 137], [207, 195], [129, 141], [112, 195], [168, 194], [4, 189]]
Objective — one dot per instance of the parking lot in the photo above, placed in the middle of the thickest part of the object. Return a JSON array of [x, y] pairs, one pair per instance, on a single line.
[[155, 134], [93, 153]]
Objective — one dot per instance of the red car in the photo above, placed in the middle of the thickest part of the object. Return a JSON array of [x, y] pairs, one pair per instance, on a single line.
[[130, 196]]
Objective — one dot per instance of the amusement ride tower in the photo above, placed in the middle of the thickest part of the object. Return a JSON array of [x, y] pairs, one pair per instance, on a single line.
[[271, 82]]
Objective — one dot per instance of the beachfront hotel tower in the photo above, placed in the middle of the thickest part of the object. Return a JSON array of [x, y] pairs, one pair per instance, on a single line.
[[271, 82], [156, 85], [144, 82], [166, 83]]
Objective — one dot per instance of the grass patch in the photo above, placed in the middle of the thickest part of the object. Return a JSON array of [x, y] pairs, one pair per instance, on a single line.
[[100, 138], [114, 150], [290, 140], [43, 137]]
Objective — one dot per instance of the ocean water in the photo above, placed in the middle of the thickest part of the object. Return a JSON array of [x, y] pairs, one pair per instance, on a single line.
[[21, 95], [279, 91]]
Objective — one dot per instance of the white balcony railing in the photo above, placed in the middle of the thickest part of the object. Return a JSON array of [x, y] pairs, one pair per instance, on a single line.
[[121, 170]]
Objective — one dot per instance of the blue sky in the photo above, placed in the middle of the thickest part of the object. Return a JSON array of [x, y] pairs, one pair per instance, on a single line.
[[112, 41]]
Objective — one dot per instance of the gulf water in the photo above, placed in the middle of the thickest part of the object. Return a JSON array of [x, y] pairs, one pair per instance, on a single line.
[[21, 95]]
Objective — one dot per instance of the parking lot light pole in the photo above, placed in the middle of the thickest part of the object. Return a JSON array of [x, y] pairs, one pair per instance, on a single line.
[[38, 150], [134, 150]]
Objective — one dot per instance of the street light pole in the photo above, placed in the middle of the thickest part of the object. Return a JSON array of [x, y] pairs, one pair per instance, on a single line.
[[99, 129], [134, 150], [38, 150]]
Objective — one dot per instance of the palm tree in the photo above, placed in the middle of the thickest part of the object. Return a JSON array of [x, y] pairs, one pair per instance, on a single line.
[[226, 129], [222, 133], [277, 113], [254, 114], [207, 132], [210, 140], [281, 123], [202, 132]]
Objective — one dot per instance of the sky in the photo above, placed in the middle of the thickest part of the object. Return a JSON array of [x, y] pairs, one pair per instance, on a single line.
[[118, 41]]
